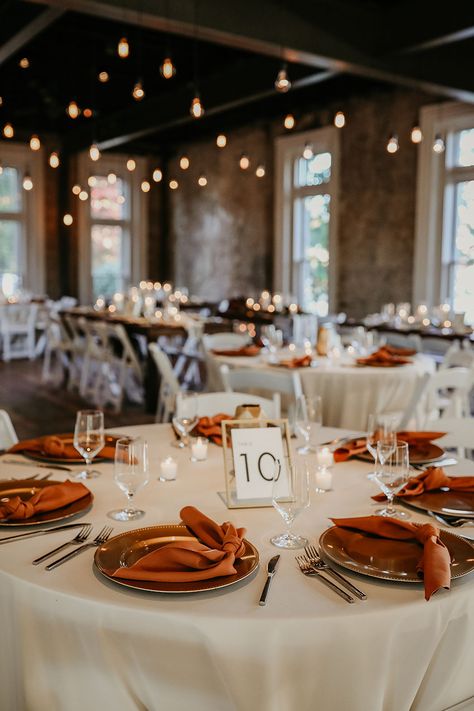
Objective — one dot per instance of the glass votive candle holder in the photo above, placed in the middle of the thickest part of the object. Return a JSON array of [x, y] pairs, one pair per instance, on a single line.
[[324, 457], [168, 469], [198, 449], [323, 479]]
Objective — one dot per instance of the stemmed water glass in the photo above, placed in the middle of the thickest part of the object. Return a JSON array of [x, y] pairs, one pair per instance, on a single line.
[[308, 419], [130, 474], [392, 475], [290, 496], [187, 418], [380, 428], [89, 439]]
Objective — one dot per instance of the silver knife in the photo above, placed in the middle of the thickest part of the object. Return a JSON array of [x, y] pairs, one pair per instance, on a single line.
[[271, 570], [32, 465], [40, 532]]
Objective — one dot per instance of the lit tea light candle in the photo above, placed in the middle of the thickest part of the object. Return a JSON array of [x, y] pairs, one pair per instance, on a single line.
[[411, 319], [426, 322], [291, 347], [199, 450], [169, 469], [324, 457], [323, 480], [293, 308]]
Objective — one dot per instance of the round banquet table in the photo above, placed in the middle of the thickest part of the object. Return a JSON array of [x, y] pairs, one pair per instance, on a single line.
[[73, 640], [350, 393]]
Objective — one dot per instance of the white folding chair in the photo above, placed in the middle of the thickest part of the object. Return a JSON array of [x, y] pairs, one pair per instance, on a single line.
[[219, 341], [245, 379], [210, 404], [58, 346], [458, 356], [460, 433], [121, 372], [169, 385], [17, 330], [8, 436], [447, 394]]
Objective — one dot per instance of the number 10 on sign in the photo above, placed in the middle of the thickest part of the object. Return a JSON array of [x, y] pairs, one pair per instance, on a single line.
[[258, 457]]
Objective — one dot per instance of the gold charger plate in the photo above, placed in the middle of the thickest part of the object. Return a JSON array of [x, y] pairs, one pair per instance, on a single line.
[[26, 488], [126, 548], [387, 559], [457, 503], [426, 454], [49, 459]]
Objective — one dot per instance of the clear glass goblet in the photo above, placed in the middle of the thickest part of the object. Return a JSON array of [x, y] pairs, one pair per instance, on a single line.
[[186, 418], [290, 496], [380, 428], [89, 439], [308, 420], [392, 475], [130, 474]]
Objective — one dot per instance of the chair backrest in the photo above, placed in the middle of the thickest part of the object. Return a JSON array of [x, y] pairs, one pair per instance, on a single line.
[[164, 367], [225, 340], [8, 436], [15, 315], [455, 385], [210, 404], [241, 379], [117, 332], [458, 357], [459, 431]]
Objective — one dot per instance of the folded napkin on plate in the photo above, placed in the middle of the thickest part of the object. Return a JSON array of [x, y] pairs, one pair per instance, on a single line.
[[382, 358], [434, 564], [211, 556], [395, 351], [303, 362], [249, 351], [432, 479], [60, 446], [210, 427], [350, 449], [49, 498]]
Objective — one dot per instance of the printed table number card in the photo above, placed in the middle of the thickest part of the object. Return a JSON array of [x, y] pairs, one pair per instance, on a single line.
[[257, 452]]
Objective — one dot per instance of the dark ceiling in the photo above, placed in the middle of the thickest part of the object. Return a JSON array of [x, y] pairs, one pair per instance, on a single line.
[[233, 49]]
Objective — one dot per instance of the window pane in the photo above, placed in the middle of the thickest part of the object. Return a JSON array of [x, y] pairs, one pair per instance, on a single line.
[[107, 199], [465, 147], [10, 242], [10, 192], [107, 260], [315, 171], [463, 273], [314, 245]]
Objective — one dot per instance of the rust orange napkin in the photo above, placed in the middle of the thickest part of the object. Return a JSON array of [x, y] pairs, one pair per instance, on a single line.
[[395, 351], [60, 447], [212, 556], [350, 449], [48, 499], [244, 351], [210, 427], [432, 479], [303, 362], [383, 359], [434, 564]]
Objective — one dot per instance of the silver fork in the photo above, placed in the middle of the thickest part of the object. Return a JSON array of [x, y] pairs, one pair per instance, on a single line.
[[314, 557], [82, 536], [307, 568], [101, 537], [454, 521]]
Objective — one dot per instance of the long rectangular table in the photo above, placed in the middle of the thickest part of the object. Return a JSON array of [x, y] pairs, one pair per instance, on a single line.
[[72, 640]]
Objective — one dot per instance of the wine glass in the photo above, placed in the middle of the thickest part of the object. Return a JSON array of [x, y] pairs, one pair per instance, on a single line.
[[392, 475], [308, 419], [130, 474], [290, 496], [379, 428], [89, 439], [187, 418]]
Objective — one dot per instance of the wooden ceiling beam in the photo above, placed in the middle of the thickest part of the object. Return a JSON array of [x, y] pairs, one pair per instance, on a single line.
[[29, 32]]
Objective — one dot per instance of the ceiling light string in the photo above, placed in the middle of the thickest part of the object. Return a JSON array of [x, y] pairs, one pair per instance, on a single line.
[[282, 82], [196, 108], [94, 152], [167, 68], [138, 92]]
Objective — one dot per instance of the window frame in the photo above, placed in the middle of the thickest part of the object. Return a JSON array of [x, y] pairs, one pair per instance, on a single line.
[[437, 179], [287, 150], [135, 225], [31, 217]]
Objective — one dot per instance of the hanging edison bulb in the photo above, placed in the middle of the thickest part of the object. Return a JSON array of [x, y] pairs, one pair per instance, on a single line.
[[339, 120], [282, 82], [308, 151], [8, 131], [94, 152], [167, 68], [123, 48], [73, 110], [244, 162], [392, 145], [83, 195], [202, 181], [260, 172], [196, 109], [103, 77], [289, 121], [184, 162], [221, 141], [174, 184], [131, 165], [157, 175], [87, 113], [145, 186], [54, 160], [138, 92], [24, 63], [76, 189], [416, 134], [68, 219], [111, 178], [27, 182], [438, 144], [35, 143], [92, 181]]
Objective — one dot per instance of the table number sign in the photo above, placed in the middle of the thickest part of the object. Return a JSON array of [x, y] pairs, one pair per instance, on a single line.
[[253, 451]]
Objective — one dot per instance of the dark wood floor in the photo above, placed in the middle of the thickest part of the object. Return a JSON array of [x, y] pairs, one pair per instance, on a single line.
[[38, 409]]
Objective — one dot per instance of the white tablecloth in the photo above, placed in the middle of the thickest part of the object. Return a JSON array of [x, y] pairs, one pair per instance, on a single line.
[[73, 641], [350, 393]]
